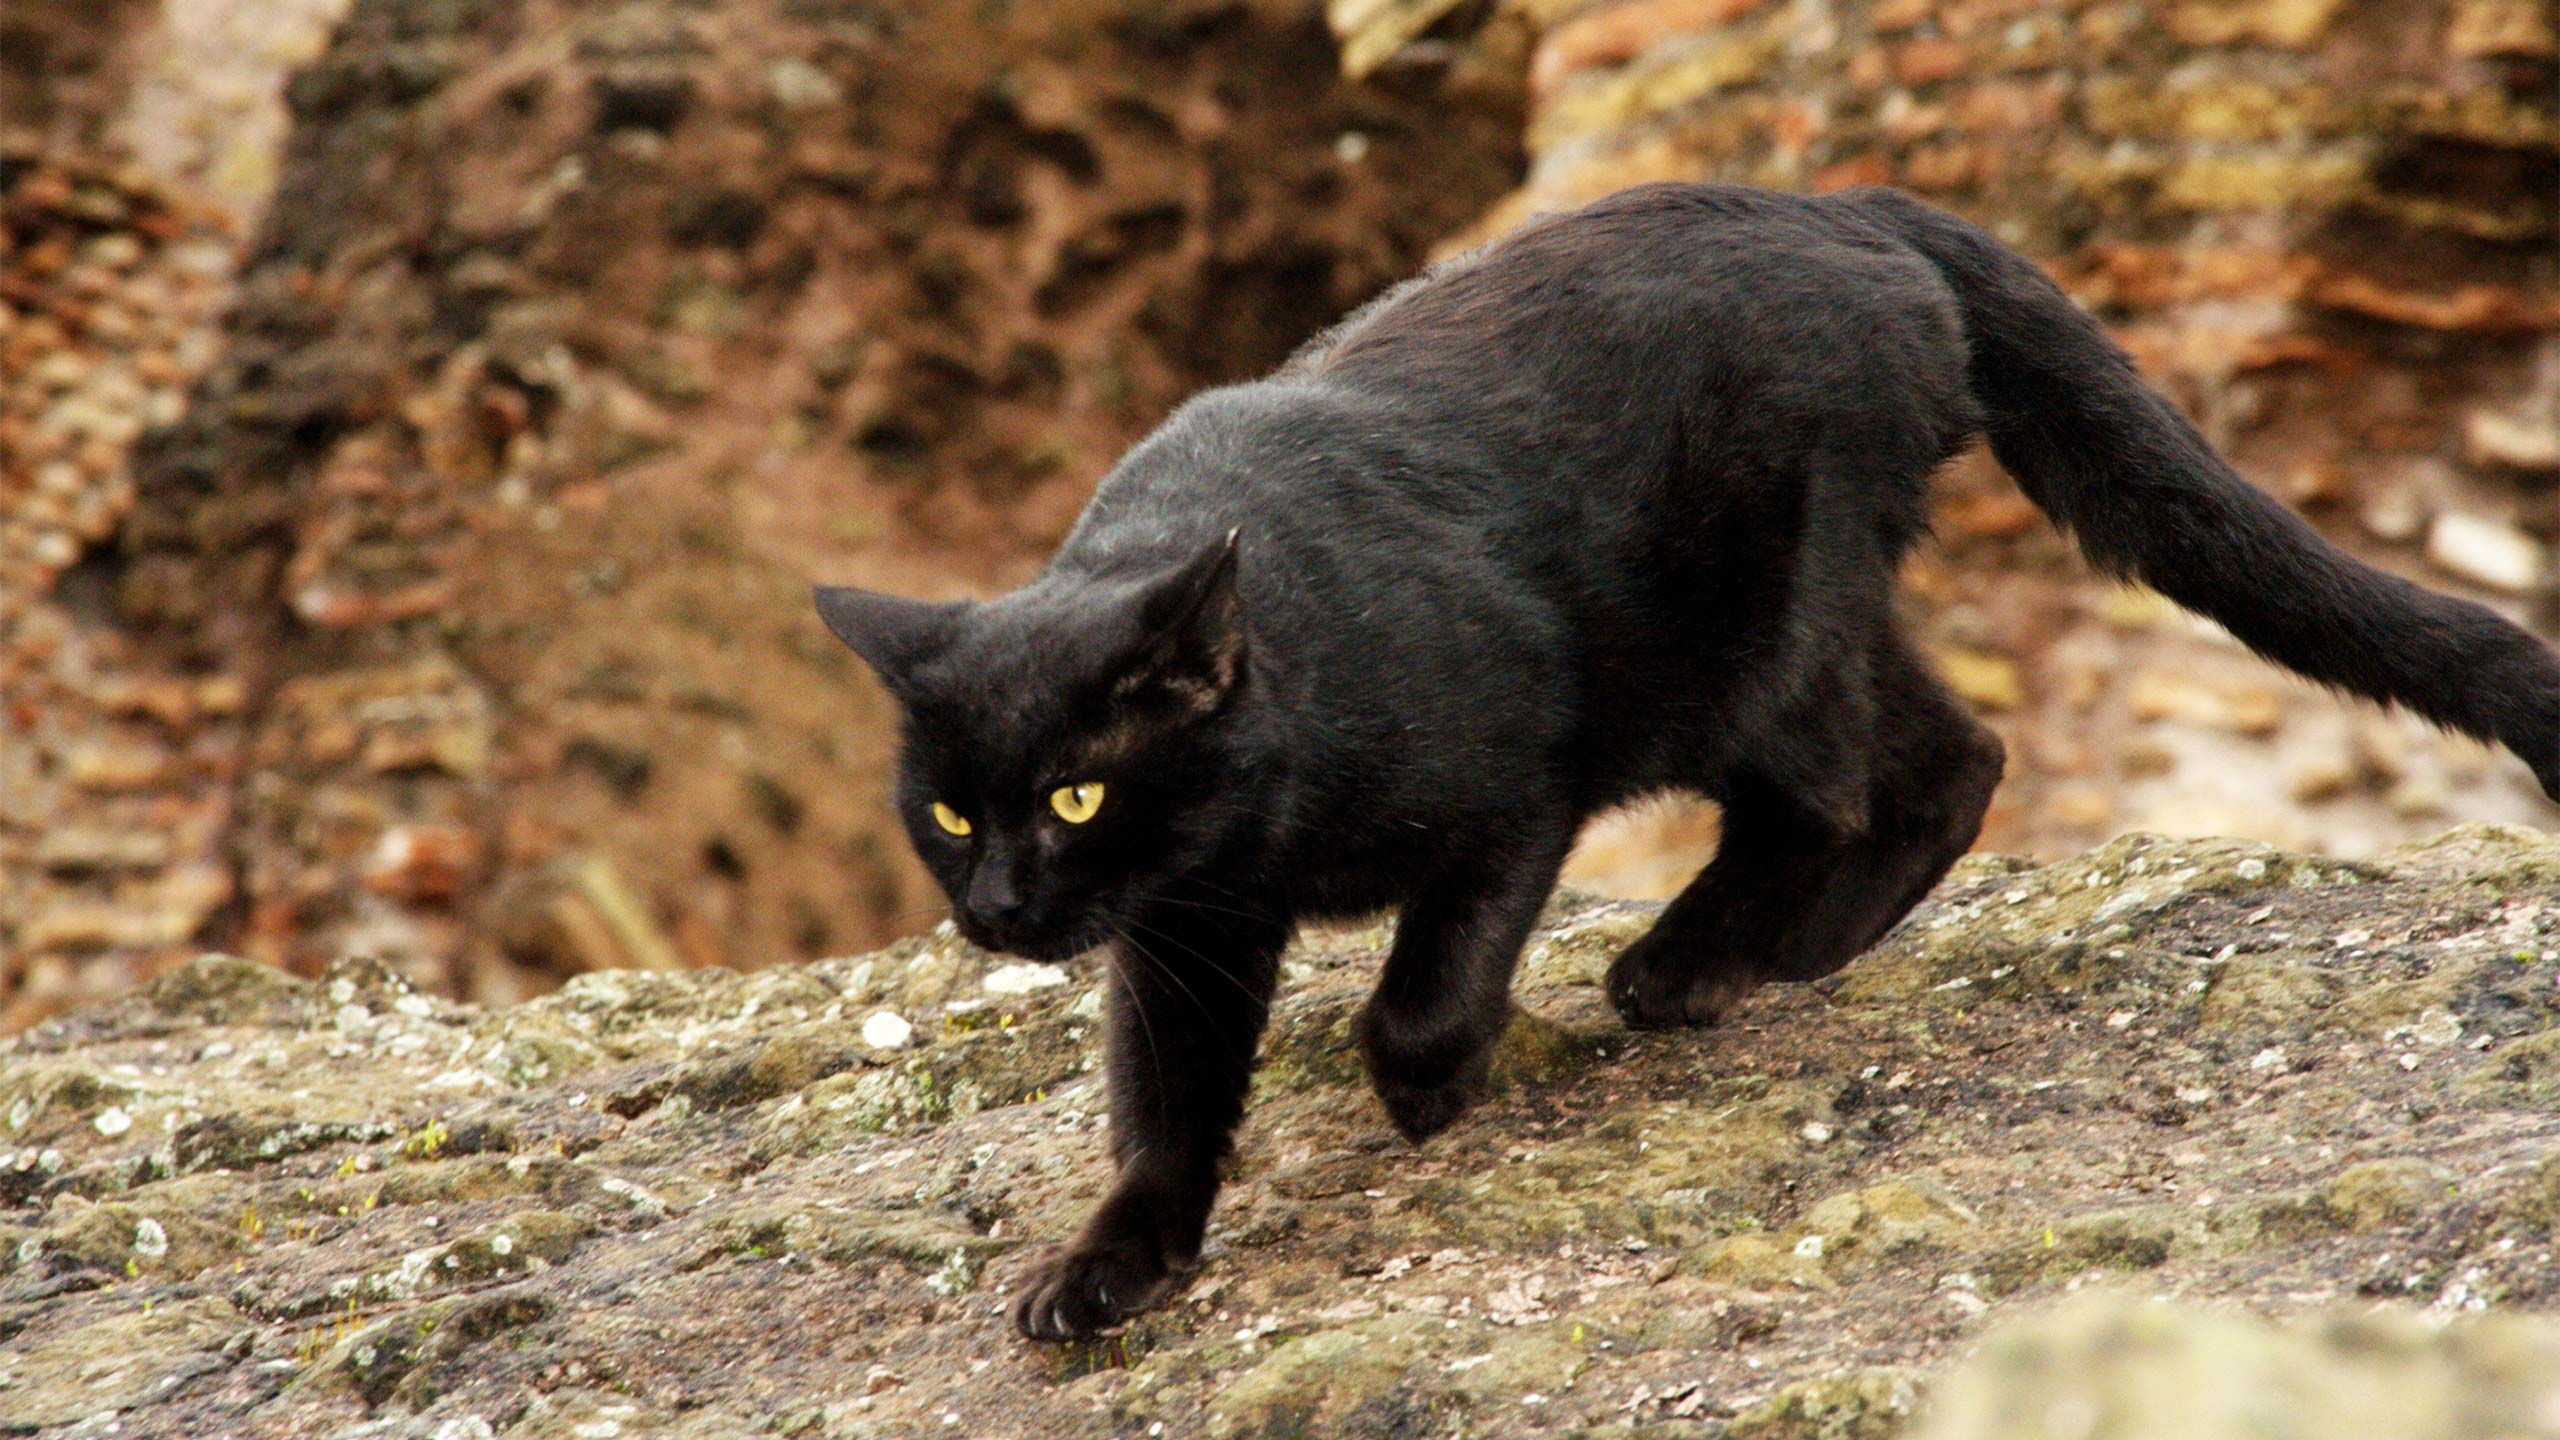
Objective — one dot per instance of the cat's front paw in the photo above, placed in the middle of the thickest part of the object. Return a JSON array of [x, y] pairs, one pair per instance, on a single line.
[[1422, 1111], [1078, 1290]]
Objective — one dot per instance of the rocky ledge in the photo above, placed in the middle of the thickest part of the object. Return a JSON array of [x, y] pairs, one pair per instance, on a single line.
[[2316, 1104]]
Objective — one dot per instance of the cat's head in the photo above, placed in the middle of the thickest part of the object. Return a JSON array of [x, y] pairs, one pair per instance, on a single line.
[[1065, 750]]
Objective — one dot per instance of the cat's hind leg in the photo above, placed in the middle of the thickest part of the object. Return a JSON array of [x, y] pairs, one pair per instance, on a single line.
[[1801, 884]]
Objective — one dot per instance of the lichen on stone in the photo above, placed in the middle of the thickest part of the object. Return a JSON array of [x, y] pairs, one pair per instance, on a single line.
[[2173, 1066]]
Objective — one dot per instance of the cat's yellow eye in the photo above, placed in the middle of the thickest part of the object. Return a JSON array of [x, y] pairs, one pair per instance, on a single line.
[[1076, 804], [951, 821]]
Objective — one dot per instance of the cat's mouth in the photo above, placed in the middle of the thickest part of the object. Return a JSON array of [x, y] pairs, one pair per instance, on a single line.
[[1048, 944]]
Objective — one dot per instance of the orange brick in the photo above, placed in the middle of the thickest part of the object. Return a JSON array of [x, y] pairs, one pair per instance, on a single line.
[[2520, 28], [1961, 18], [2465, 307], [2238, 22], [1924, 62], [1989, 515], [1616, 34], [2009, 106], [1793, 126], [1916, 122], [2266, 352], [1946, 167], [1869, 169], [2142, 276]]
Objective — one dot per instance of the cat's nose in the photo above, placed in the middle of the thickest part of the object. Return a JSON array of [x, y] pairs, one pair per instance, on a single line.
[[995, 900]]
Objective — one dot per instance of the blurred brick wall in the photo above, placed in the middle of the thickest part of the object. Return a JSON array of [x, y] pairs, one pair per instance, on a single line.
[[2329, 228], [459, 621], [462, 619]]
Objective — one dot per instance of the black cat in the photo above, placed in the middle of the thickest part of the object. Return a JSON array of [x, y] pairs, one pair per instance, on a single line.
[[1612, 506]]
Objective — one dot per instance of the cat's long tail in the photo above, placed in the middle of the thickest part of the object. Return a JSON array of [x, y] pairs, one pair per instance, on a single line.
[[2119, 468]]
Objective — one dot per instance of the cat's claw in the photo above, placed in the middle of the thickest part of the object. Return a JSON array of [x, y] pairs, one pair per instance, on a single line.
[[1075, 1292]]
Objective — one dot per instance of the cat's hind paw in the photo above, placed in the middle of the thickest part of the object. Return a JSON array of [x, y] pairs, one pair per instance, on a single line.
[[1654, 988], [1074, 1292]]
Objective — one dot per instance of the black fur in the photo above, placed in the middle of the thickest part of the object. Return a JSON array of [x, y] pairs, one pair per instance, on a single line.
[[1608, 508]]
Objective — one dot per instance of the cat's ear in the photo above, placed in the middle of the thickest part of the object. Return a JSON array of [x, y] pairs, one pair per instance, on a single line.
[[1193, 623], [890, 634]]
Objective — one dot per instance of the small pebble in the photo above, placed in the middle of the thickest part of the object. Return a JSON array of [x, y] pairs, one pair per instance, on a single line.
[[2486, 552], [887, 1030]]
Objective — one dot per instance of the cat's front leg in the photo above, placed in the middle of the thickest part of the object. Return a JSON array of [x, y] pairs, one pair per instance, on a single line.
[[1428, 1031], [1189, 992]]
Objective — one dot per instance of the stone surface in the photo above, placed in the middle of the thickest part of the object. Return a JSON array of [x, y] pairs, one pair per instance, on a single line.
[[2112, 1370], [705, 1203]]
